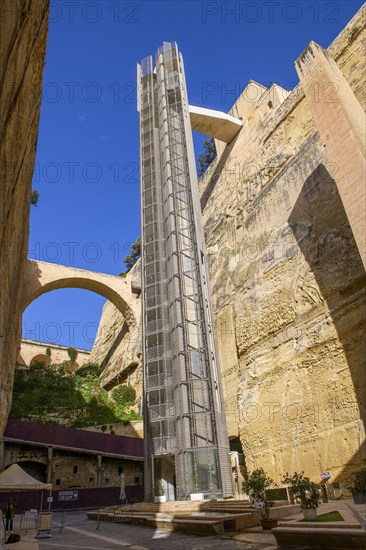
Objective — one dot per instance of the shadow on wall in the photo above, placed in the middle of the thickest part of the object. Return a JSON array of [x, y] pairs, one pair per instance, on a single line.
[[216, 173], [320, 225], [118, 339]]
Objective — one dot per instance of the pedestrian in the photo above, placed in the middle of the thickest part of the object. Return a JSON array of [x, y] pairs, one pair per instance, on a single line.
[[9, 515]]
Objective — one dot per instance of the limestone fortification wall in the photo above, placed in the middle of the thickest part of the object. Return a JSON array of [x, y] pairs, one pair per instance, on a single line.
[[287, 283], [22, 51], [32, 351], [116, 348]]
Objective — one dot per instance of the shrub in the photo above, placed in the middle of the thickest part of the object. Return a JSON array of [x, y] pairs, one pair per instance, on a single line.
[[74, 399], [255, 485], [72, 353], [303, 490], [89, 369], [358, 482], [159, 489], [124, 395]]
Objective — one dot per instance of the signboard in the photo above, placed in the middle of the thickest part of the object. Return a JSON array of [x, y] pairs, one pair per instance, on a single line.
[[44, 525], [49, 499], [68, 495]]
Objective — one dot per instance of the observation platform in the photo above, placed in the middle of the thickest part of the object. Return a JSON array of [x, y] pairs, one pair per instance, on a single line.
[[216, 124]]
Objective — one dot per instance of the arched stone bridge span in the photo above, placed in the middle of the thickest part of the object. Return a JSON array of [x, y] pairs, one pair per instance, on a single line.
[[43, 277]]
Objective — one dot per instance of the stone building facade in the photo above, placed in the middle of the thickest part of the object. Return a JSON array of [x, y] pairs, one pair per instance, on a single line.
[[32, 352], [73, 458]]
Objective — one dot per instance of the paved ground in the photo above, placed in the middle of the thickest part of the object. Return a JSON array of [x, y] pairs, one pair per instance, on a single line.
[[84, 535], [133, 537]]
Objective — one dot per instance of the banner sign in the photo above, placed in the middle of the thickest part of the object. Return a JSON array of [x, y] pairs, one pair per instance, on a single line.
[[68, 495]]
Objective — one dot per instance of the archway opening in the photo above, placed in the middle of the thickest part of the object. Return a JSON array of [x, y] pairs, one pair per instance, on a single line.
[[64, 317], [238, 466], [40, 359], [59, 331], [34, 469]]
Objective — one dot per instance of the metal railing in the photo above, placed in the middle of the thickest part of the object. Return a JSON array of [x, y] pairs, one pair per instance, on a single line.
[[76, 517]]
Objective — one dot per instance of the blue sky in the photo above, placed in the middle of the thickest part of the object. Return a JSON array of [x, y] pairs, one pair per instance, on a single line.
[[87, 156]]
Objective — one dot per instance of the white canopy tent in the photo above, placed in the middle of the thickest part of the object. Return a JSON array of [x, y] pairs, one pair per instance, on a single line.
[[15, 478]]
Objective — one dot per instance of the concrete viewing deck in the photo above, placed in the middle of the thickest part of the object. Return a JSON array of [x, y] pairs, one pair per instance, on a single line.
[[216, 124]]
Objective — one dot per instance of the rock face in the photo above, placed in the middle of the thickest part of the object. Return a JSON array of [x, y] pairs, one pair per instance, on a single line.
[[287, 283], [22, 52], [116, 348]]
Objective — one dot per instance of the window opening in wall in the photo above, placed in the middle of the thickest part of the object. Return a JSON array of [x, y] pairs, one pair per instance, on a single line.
[[74, 469], [58, 481]]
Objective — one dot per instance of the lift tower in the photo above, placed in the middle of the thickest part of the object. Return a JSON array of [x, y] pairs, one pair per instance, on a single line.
[[186, 442]]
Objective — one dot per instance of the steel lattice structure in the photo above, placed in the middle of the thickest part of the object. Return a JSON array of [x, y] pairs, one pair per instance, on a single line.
[[186, 443]]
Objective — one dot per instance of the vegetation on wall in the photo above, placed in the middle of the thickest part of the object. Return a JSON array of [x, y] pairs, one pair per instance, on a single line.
[[207, 156], [72, 353], [35, 197], [73, 399], [132, 258]]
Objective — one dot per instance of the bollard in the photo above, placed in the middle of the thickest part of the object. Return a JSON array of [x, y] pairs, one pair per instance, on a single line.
[[98, 520]]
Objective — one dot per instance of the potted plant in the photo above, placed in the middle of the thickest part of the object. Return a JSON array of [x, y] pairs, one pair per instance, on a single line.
[[255, 485], [358, 487], [159, 492], [304, 491]]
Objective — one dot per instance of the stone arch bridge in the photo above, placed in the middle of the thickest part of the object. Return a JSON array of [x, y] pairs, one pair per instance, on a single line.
[[43, 277]]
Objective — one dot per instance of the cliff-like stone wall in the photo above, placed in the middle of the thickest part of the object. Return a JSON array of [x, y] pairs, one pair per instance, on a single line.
[[22, 52], [116, 348], [288, 285]]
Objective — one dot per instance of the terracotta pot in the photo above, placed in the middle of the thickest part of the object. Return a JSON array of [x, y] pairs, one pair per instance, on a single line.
[[309, 513], [268, 524]]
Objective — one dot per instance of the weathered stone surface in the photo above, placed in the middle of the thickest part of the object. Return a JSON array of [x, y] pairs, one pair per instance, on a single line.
[[135, 428], [288, 287], [61, 472], [32, 352], [22, 51], [117, 347]]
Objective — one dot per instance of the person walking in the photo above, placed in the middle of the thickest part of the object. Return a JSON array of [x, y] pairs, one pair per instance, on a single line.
[[9, 515]]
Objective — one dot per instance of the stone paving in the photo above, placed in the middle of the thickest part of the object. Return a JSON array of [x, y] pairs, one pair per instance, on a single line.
[[112, 536], [132, 537]]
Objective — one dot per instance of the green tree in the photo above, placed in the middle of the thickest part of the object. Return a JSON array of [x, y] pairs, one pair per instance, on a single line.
[[132, 258], [35, 196], [48, 352], [72, 353], [209, 154]]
